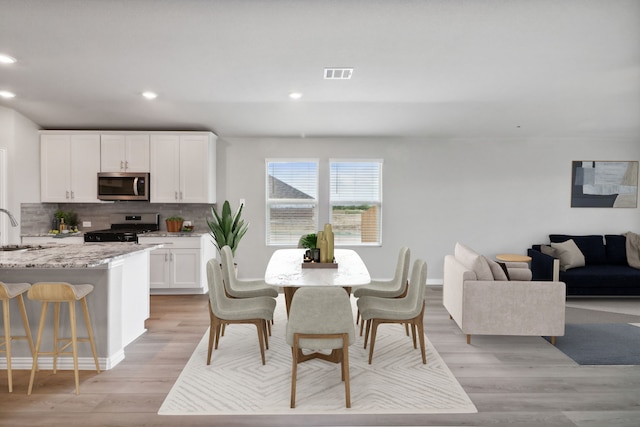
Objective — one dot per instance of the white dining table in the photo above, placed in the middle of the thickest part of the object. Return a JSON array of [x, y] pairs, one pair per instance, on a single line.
[[285, 270]]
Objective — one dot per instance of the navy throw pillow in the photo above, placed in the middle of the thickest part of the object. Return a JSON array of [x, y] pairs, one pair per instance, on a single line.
[[592, 247], [616, 249]]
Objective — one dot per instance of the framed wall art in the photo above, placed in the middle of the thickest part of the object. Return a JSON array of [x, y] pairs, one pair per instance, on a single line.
[[597, 184]]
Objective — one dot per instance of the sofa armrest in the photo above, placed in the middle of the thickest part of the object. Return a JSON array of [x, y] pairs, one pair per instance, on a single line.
[[544, 267], [505, 308]]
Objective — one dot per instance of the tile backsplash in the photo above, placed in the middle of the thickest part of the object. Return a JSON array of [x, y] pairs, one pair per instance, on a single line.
[[36, 218]]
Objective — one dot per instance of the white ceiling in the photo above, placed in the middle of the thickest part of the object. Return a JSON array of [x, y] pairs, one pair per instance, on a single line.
[[430, 68]]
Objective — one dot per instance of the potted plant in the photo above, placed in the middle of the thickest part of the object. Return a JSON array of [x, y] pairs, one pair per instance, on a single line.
[[310, 242], [226, 228], [174, 224]]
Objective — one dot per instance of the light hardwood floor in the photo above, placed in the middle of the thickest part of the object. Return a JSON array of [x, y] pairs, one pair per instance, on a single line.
[[521, 381]]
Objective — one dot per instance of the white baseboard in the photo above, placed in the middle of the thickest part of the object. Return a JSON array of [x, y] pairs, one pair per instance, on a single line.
[[65, 363]]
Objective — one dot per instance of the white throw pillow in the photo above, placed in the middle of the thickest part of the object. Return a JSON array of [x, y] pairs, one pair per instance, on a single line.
[[496, 270], [473, 261], [569, 255]]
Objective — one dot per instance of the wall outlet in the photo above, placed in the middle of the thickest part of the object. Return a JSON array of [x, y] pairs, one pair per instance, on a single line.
[[86, 223]]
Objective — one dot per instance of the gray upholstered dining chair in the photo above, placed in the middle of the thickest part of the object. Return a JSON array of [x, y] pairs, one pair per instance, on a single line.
[[321, 318], [409, 309], [224, 310], [394, 288], [242, 288]]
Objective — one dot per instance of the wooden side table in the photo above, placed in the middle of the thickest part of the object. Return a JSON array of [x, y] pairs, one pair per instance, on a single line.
[[513, 258]]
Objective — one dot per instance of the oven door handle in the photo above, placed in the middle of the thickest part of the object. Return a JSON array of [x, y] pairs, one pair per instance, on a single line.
[[135, 186]]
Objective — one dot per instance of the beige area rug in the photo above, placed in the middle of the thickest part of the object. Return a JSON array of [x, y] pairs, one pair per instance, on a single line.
[[236, 383]]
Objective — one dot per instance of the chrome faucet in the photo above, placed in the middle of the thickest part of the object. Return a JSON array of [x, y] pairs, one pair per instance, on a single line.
[[14, 223]]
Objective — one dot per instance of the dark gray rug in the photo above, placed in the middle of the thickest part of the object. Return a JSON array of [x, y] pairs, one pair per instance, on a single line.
[[601, 343]]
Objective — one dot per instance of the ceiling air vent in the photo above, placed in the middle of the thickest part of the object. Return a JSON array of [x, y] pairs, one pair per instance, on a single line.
[[338, 73]]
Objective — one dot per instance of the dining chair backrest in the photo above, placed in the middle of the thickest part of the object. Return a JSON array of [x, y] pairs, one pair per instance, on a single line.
[[228, 270], [402, 267], [216, 285], [417, 284]]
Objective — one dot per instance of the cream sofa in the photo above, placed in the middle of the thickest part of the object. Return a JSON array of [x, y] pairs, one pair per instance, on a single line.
[[482, 300]]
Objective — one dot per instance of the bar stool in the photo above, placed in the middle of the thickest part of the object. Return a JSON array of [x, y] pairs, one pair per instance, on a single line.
[[9, 291], [56, 293]]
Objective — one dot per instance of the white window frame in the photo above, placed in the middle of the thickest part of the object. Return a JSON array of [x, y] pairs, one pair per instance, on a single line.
[[378, 203], [269, 202]]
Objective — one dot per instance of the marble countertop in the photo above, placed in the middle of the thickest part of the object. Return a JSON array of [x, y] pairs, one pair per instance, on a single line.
[[70, 256], [151, 234]]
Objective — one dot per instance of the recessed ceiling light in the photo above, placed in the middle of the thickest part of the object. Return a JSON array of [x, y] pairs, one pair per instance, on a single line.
[[7, 94], [295, 95], [150, 95], [6, 59]]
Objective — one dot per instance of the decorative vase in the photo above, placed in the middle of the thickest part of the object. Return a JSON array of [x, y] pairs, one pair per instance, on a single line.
[[323, 249], [328, 235]]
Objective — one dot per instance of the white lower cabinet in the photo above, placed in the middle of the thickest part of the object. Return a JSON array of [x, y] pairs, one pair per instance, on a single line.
[[180, 266]]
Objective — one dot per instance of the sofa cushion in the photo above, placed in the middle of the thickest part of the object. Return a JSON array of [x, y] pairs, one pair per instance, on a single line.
[[496, 270], [520, 274], [602, 280], [548, 250], [473, 261], [616, 249], [569, 255], [592, 247]]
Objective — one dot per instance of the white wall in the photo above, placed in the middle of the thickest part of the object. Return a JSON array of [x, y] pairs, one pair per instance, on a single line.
[[493, 195], [19, 136]]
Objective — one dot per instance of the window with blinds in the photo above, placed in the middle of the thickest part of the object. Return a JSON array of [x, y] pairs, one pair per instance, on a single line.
[[356, 201], [292, 200]]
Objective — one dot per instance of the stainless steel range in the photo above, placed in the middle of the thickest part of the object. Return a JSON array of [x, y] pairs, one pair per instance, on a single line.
[[125, 228]]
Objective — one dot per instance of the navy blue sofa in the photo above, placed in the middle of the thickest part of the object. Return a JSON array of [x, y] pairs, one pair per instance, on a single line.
[[606, 271]]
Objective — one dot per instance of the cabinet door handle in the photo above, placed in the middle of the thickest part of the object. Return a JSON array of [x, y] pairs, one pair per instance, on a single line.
[[166, 257], [176, 196], [126, 164], [72, 195], [122, 165], [181, 195], [67, 192]]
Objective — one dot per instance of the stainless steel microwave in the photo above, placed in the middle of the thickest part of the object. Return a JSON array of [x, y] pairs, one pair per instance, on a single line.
[[123, 186]]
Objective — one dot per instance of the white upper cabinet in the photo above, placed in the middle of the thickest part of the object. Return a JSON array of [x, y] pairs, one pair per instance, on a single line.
[[69, 165], [124, 153], [183, 167]]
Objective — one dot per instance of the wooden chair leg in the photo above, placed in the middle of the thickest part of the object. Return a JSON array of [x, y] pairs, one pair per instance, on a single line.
[[421, 337], [43, 315], [92, 342], [261, 339], [345, 369], [366, 334], [553, 340], [468, 338], [25, 321], [7, 341], [266, 332], [74, 343], [56, 325], [373, 337], [294, 369]]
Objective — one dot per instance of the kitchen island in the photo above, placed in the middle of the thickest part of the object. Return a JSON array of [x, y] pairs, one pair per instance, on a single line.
[[119, 303]]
